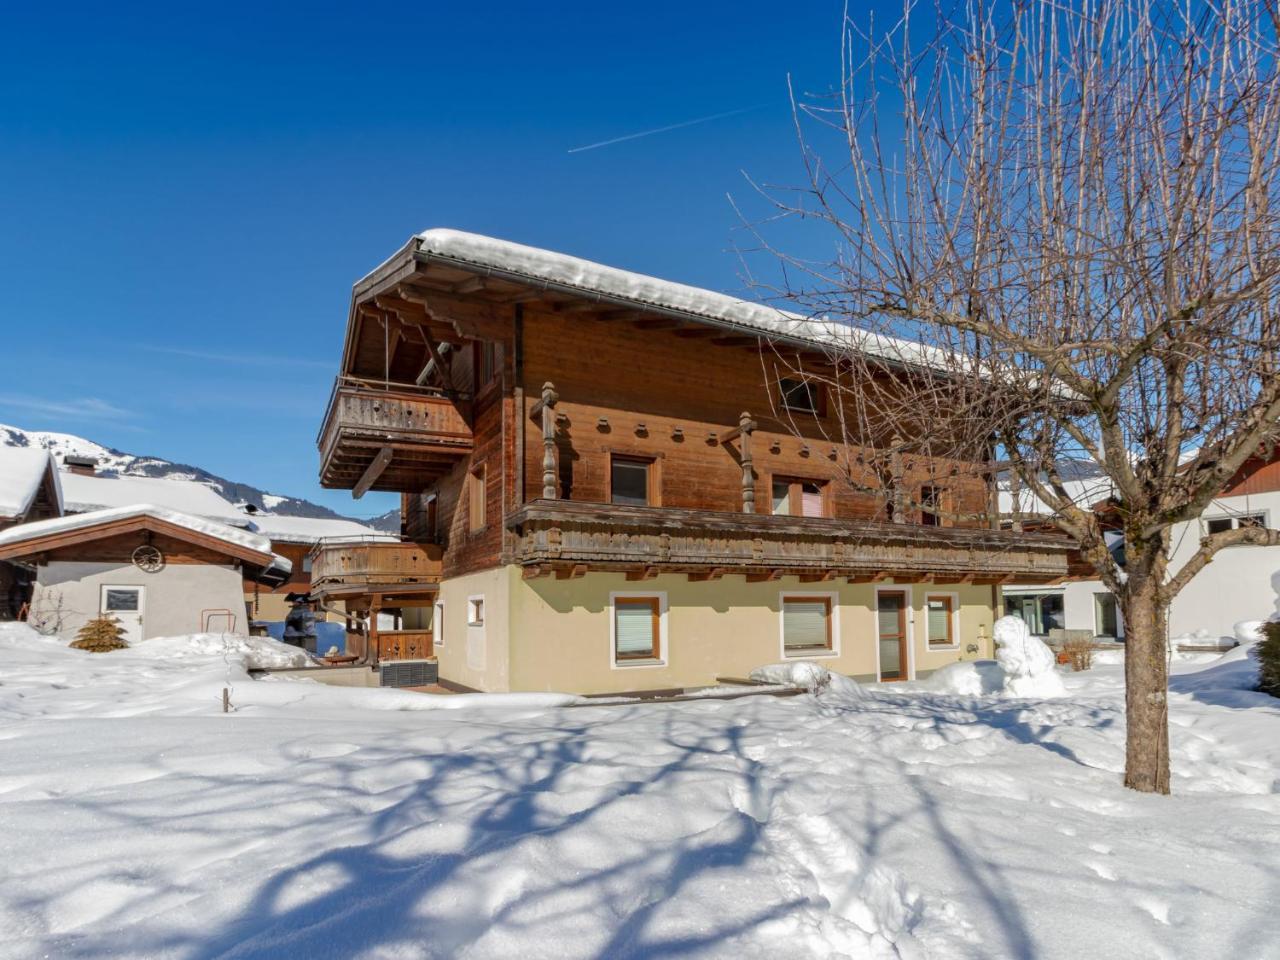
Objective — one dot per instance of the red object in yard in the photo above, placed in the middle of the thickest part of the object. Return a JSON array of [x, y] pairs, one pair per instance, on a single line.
[[1063, 658]]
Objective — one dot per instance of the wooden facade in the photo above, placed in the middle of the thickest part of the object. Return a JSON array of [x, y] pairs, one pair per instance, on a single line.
[[505, 410]]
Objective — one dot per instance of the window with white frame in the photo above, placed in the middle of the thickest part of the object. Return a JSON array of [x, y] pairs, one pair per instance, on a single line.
[[1235, 522], [806, 625], [637, 629], [437, 625], [475, 611], [941, 620]]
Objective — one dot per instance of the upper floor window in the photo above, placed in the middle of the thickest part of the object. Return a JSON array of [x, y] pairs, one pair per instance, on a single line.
[[486, 363], [476, 497], [630, 480], [930, 506], [799, 498], [804, 396], [1223, 524]]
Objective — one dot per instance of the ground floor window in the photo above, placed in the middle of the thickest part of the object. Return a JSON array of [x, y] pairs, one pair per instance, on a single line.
[[1106, 620], [941, 610], [1041, 612], [637, 629], [806, 625]]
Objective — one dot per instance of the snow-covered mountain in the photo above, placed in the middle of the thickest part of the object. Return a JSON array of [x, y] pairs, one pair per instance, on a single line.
[[112, 462]]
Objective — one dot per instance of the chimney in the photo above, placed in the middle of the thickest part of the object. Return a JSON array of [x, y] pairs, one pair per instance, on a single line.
[[84, 466]]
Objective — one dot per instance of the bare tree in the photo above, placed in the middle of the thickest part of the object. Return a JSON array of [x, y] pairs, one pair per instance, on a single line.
[[1065, 206]]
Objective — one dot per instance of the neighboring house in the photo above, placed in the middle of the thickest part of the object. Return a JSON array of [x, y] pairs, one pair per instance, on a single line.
[[587, 506], [291, 537], [1240, 583], [158, 571], [29, 490]]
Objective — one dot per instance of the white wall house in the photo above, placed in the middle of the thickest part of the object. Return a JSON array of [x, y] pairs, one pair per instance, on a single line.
[[157, 571], [1239, 583]]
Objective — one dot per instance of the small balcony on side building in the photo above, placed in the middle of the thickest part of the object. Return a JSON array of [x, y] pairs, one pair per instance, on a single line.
[[390, 436]]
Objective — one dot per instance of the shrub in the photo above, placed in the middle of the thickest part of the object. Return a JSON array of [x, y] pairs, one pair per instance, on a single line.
[[100, 635], [1079, 652], [1268, 651]]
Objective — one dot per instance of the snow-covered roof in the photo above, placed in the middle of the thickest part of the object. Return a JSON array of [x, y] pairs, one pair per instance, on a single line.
[[313, 529], [547, 268], [1084, 493], [83, 521], [82, 492], [22, 471]]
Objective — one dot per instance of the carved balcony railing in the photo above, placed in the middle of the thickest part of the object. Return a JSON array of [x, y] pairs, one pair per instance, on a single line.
[[389, 436], [372, 565], [570, 538]]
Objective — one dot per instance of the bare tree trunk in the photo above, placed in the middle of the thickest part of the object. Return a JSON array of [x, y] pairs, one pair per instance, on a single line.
[[1146, 669]]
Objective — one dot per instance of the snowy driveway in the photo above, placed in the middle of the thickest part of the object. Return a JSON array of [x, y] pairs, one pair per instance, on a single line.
[[140, 822]]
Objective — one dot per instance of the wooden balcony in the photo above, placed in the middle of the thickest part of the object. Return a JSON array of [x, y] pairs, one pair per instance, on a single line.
[[389, 437], [373, 566], [569, 538]]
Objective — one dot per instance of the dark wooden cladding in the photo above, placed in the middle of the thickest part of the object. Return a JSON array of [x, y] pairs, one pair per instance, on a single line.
[[654, 394], [555, 534], [628, 382], [426, 434]]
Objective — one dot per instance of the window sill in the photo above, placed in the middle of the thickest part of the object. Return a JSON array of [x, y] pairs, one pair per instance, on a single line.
[[942, 646], [638, 662], [815, 652]]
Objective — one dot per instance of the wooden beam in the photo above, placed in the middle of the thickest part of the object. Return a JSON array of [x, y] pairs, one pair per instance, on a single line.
[[697, 333], [648, 573], [535, 571], [822, 577], [575, 572], [470, 285], [715, 573], [767, 576], [471, 318], [372, 472]]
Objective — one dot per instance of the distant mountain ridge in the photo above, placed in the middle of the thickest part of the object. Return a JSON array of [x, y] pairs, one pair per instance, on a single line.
[[112, 462]]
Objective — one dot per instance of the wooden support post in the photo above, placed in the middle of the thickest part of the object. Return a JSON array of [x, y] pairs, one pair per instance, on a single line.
[[742, 433], [550, 469], [375, 640], [896, 481], [1015, 491], [372, 472]]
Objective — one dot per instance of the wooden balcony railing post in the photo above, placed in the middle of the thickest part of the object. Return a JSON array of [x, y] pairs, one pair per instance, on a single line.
[[746, 426], [896, 480], [550, 473]]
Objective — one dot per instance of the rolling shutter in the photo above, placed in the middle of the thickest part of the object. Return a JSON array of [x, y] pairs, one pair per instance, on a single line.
[[939, 620], [805, 624], [634, 628]]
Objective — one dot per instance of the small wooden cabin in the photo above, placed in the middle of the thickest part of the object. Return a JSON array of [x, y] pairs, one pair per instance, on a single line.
[[618, 483]]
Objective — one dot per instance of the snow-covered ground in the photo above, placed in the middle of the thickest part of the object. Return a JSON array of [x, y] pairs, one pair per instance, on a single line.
[[137, 820]]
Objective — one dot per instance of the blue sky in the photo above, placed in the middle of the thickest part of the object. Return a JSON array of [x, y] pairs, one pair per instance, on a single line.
[[186, 195]]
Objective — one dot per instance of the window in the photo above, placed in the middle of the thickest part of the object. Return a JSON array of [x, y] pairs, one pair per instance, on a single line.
[[799, 498], [1041, 612], [486, 363], [930, 504], [437, 625], [801, 395], [806, 625], [1243, 522], [1105, 620], [306, 563], [636, 629], [475, 611], [476, 497], [941, 620], [1218, 525], [630, 480]]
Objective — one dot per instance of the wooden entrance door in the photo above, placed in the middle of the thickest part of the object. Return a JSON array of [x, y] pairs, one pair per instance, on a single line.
[[891, 625]]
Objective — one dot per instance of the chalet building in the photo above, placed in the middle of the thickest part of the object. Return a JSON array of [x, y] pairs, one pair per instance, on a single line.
[[86, 489], [611, 483], [29, 490], [157, 571]]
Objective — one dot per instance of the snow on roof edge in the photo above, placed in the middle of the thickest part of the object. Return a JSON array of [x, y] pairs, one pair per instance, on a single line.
[[538, 265], [77, 521], [26, 495]]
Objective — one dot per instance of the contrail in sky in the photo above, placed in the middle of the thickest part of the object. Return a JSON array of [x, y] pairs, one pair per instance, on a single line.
[[674, 126]]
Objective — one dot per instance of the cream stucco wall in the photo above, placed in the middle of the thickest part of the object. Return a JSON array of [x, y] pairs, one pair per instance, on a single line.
[[551, 634], [476, 656], [175, 595]]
